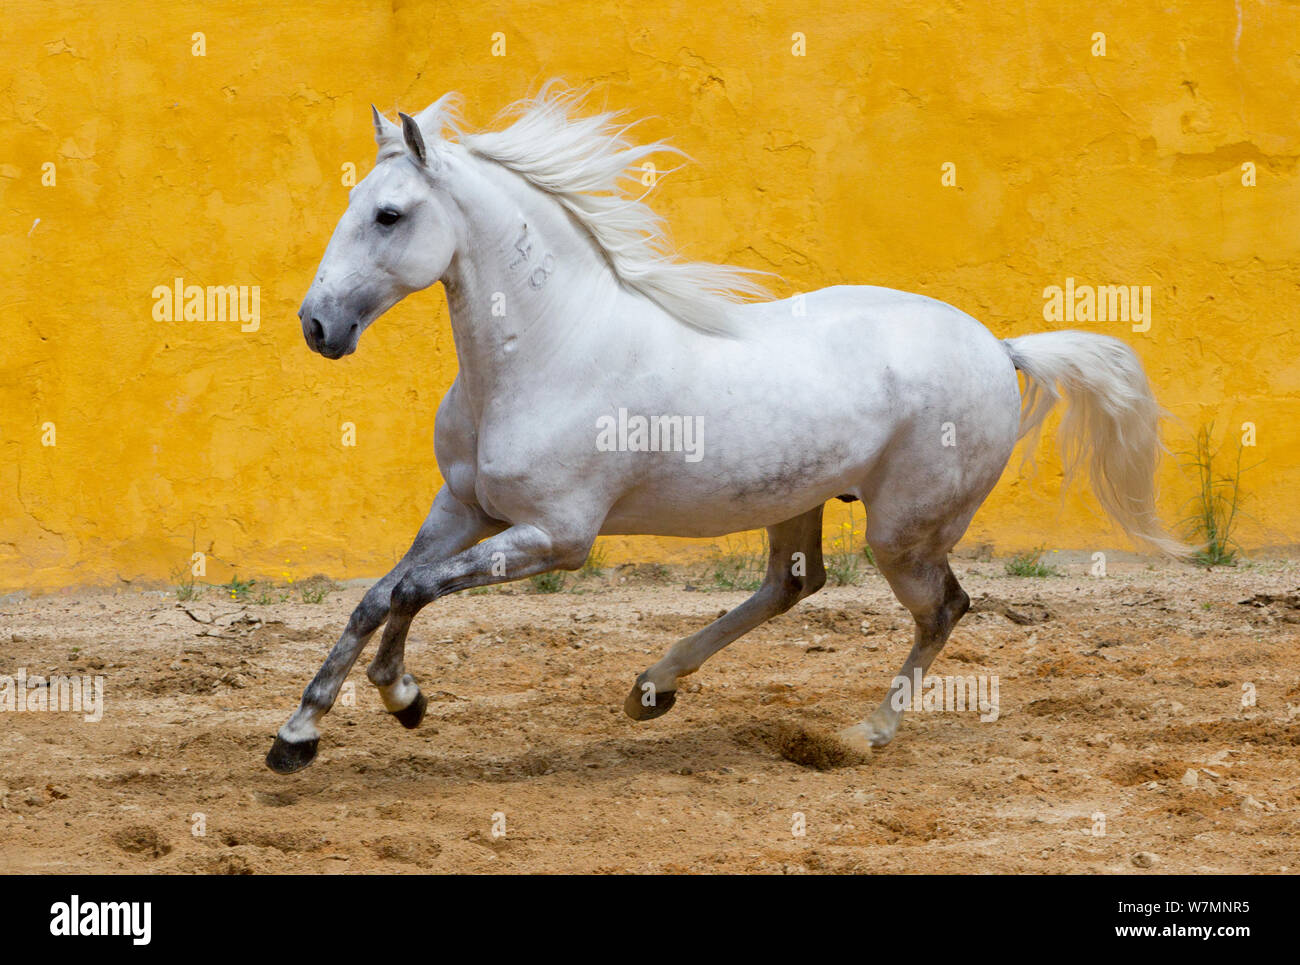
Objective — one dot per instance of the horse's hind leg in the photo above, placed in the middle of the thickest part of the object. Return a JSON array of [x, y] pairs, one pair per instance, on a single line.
[[924, 583], [794, 571], [449, 528]]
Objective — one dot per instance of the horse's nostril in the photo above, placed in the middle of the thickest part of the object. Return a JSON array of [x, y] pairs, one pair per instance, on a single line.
[[317, 331], [355, 326]]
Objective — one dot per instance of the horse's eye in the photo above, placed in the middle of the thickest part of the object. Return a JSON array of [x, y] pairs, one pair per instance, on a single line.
[[387, 216]]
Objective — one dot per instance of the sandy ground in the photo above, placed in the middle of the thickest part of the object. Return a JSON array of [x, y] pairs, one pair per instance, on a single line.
[[1120, 697]]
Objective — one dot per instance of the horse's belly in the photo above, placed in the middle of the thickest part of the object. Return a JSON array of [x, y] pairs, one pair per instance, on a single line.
[[732, 496], [657, 517]]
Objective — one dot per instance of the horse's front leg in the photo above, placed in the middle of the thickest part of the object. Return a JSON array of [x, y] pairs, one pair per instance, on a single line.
[[449, 528], [518, 552]]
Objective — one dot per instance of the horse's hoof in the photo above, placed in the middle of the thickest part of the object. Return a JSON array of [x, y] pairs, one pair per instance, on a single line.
[[285, 757], [635, 706], [411, 715], [868, 736]]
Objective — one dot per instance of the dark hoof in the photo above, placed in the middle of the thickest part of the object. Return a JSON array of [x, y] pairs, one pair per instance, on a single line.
[[285, 757], [635, 705], [411, 715]]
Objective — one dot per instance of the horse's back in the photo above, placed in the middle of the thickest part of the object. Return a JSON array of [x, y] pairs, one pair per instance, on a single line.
[[848, 310], [888, 333]]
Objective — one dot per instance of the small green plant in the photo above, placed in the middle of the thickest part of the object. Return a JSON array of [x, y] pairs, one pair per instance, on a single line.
[[1216, 504], [740, 570], [1030, 564], [551, 582], [843, 562], [314, 589], [595, 564], [188, 590], [239, 589], [842, 569]]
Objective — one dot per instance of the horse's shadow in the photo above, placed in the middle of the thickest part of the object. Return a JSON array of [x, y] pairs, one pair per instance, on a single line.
[[702, 752]]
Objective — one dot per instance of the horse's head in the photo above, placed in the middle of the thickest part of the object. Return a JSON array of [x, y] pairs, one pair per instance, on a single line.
[[396, 237]]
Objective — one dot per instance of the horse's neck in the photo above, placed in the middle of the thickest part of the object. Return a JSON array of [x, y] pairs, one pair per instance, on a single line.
[[525, 284]]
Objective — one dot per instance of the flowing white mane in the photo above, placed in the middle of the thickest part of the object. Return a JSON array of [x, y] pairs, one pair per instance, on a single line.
[[582, 162]]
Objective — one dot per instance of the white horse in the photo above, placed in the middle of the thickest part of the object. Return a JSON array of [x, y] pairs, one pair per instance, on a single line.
[[588, 353]]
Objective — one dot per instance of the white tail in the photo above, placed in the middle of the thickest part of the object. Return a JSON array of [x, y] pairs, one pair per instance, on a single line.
[[1111, 423]]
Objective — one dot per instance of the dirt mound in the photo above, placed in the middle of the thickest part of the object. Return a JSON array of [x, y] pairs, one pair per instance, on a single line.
[[810, 747]]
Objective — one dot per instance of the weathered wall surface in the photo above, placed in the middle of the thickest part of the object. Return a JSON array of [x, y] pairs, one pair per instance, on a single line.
[[226, 169]]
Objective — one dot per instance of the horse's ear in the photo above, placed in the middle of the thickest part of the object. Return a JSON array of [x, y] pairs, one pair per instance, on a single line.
[[414, 139], [385, 130]]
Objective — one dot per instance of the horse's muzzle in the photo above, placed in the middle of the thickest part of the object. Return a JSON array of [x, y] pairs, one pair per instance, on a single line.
[[332, 341]]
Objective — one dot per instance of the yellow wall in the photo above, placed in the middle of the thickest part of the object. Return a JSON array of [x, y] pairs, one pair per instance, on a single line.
[[226, 169]]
